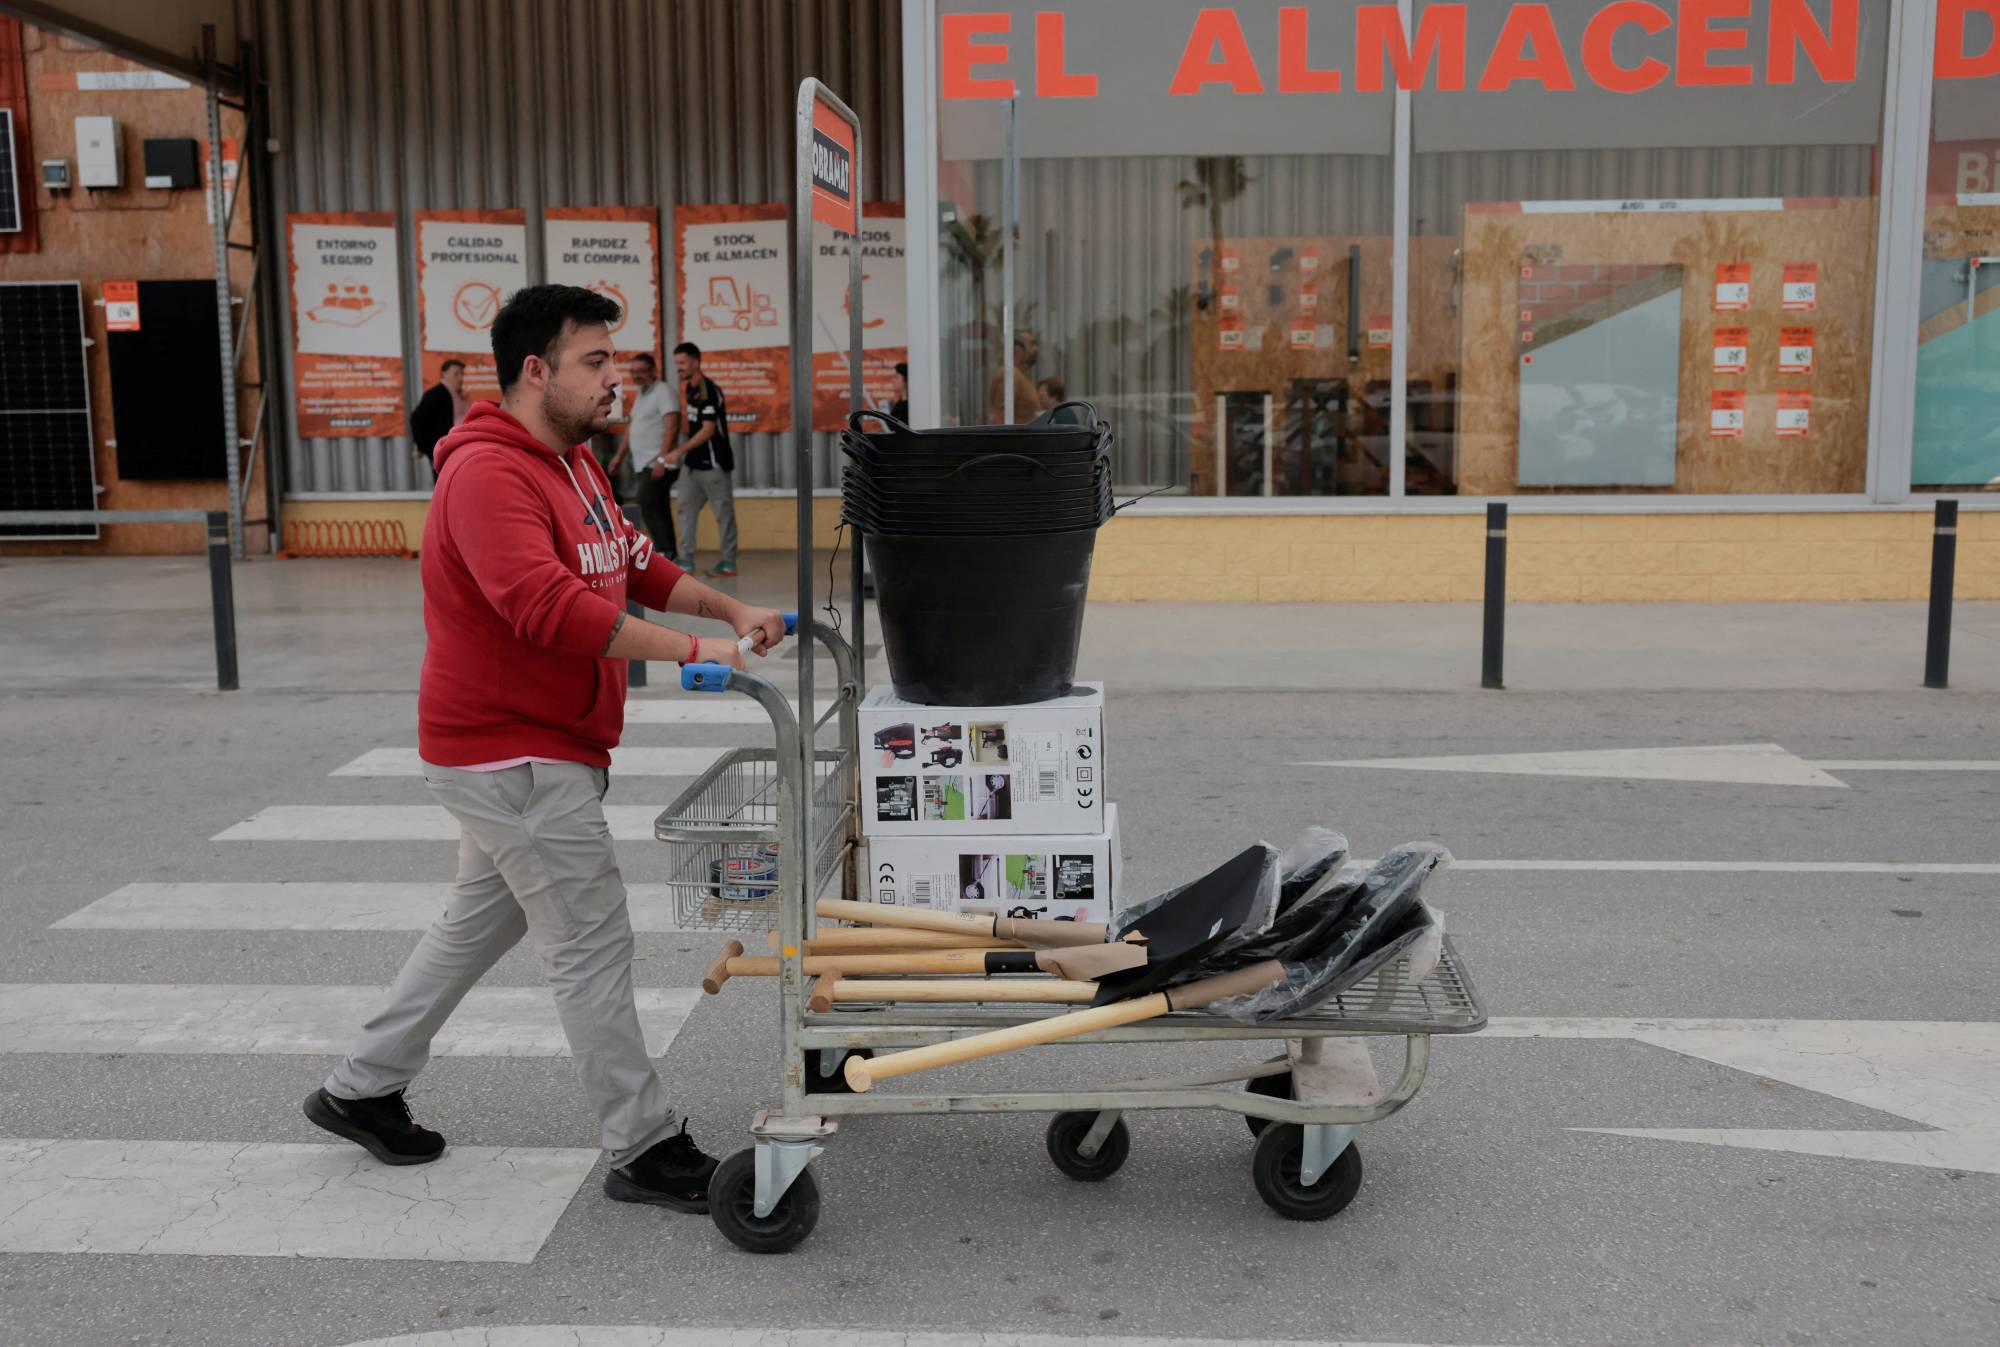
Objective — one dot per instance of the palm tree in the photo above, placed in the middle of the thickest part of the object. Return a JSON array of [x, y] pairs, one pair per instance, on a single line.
[[1217, 180]]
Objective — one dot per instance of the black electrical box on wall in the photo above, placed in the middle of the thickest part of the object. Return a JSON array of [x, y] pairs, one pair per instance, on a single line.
[[173, 163], [166, 386]]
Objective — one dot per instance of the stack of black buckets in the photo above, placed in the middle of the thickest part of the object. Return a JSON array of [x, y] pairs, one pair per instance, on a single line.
[[980, 540]]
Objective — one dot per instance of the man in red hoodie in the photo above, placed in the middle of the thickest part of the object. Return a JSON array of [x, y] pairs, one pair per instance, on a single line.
[[526, 569]]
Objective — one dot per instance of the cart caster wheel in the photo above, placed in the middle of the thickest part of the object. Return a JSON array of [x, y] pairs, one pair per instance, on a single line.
[[837, 1082], [1274, 1087], [1066, 1133], [1275, 1171], [732, 1200]]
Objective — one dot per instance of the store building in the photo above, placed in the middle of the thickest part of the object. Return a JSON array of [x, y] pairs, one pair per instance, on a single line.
[[1707, 290]]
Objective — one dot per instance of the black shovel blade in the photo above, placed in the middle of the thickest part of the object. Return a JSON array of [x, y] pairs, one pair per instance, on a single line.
[[1185, 926]]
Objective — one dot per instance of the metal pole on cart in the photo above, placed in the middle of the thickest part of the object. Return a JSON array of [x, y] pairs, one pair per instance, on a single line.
[[827, 188]]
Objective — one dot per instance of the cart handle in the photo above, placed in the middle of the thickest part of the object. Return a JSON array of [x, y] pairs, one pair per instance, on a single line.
[[715, 677]]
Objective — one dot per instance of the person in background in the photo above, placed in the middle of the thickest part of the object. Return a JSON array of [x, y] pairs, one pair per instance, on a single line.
[[706, 460], [656, 424], [1050, 393], [442, 406], [900, 407], [1011, 400], [526, 572]]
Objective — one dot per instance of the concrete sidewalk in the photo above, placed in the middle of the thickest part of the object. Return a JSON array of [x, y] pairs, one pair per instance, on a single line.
[[75, 624]]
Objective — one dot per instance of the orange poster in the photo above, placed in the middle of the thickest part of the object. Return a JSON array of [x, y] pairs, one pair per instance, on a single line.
[[469, 262], [735, 304], [1732, 287], [347, 325], [614, 250], [884, 328], [1726, 407]]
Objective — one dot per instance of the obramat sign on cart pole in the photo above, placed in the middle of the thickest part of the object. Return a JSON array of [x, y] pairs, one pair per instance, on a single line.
[[347, 324], [469, 262]]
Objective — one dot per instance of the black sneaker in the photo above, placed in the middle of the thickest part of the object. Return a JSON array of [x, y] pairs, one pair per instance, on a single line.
[[671, 1173], [381, 1126]]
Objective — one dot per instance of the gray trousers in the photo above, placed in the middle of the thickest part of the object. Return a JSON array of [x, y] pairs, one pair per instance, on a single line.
[[717, 488], [535, 859]]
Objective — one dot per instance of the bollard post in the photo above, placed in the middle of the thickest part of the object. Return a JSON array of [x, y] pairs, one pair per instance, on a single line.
[[1494, 644], [1944, 573], [635, 669], [222, 594]]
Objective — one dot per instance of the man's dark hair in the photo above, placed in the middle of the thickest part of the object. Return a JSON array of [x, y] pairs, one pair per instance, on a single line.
[[688, 349], [646, 356], [533, 320], [903, 369], [448, 366]]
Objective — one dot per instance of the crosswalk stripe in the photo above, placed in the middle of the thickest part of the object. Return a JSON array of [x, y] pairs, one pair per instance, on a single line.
[[396, 823], [479, 1204], [94, 1017], [713, 709], [304, 905], [632, 760], [626, 1335]]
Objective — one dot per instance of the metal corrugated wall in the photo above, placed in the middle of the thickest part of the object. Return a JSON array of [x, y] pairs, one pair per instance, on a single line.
[[404, 106], [1105, 246]]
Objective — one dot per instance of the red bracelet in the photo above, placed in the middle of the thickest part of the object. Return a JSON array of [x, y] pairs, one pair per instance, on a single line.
[[694, 652]]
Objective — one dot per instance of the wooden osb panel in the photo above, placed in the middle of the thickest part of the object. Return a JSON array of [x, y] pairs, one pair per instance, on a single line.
[[1837, 234], [1959, 233]]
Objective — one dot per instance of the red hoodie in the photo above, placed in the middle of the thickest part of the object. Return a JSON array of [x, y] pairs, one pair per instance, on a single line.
[[526, 565]]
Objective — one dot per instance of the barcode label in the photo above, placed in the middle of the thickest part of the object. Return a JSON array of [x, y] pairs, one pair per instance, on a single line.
[[921, 894], [1047, 782]]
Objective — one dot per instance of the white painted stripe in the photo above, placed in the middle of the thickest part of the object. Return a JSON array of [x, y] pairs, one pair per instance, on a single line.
[[632, 760], [397, 823], [1724, 764], [717, 709], [1911, 765], [93, 1017], [1741, 867], [595, 1335], [301, 905], [478, 1204]]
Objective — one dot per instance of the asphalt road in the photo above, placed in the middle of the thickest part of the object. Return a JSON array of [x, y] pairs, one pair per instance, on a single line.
[[1487, 1216]]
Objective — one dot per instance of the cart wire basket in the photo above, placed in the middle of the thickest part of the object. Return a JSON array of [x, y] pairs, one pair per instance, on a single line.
[[724, 829]]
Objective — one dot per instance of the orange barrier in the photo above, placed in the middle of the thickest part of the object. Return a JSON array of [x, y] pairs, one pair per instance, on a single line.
[[345, 538]]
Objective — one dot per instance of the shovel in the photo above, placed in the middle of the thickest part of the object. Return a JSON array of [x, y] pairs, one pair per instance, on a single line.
[[1080, 963]]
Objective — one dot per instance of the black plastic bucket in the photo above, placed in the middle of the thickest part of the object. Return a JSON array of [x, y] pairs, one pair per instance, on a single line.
[[988, 621], [1046, 436]]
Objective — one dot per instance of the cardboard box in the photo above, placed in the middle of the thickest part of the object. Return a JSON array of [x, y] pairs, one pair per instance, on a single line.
[[956, 770], [1053, 876]]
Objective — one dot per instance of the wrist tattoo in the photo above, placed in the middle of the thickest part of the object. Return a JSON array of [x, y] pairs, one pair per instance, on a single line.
[[617, 625]]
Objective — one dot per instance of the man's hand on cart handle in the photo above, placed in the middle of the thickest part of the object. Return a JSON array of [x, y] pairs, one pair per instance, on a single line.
[[761, 629], [718, 650]]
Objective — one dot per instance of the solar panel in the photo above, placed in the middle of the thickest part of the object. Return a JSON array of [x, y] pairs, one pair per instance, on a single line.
[[10, 183], [46, 457]]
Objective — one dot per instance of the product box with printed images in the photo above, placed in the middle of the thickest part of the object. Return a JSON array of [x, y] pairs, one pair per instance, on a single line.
[[1053, 876], [938, 770]]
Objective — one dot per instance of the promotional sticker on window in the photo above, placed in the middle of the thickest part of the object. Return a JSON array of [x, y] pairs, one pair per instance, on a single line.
[[1303, 335], [1801, 287], [1309, 295], [121, 306], [1309, 258], [1381, 331], [1795, 350], [1232, 295], [1732, 350], [1725, 413], [1794, 412], [1732, 287], [1232, 257], [1230, 337]]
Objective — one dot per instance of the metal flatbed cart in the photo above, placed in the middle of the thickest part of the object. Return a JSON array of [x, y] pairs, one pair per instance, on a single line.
[[765, 831]]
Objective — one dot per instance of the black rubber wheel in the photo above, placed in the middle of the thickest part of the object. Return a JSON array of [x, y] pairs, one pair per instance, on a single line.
[[732, 1198], [1275, 1171], [837, 1082], [1065, 1136], [1274, 1087]]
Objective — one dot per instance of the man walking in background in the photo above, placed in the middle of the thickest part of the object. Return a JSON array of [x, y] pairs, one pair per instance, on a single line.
[[1011, 397], [526, 570], [656, 426], [441, 408], [706, 462]]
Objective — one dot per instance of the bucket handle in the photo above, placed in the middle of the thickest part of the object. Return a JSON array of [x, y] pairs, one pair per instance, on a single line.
[[983, 459], [870, 413], [1091, 407]]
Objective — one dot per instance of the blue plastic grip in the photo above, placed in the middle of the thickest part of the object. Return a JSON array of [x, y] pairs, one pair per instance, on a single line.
[[706, 677], [791, 623]]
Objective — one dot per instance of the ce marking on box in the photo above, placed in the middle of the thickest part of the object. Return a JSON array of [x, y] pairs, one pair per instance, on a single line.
[[1086, 772]]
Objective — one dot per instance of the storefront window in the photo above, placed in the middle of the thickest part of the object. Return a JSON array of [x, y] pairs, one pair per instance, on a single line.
[[1956, 440], [1200, 235], [1643, 249]]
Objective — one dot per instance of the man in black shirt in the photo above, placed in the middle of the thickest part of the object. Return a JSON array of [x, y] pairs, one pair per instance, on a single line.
[[442, 406], [706, 462]]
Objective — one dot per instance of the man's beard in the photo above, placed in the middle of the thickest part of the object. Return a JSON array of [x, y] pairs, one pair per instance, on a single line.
[[573, 418]]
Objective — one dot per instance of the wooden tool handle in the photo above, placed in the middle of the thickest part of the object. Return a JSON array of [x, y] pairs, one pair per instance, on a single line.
[[965, 991], [1045, 933], [885, 940], [1050, 934], [862, 1073], [918, 961], [1242, 982], [719, 971], [820, 996]]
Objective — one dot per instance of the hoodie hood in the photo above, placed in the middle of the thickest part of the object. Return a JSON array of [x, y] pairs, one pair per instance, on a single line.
[[486, 423]]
